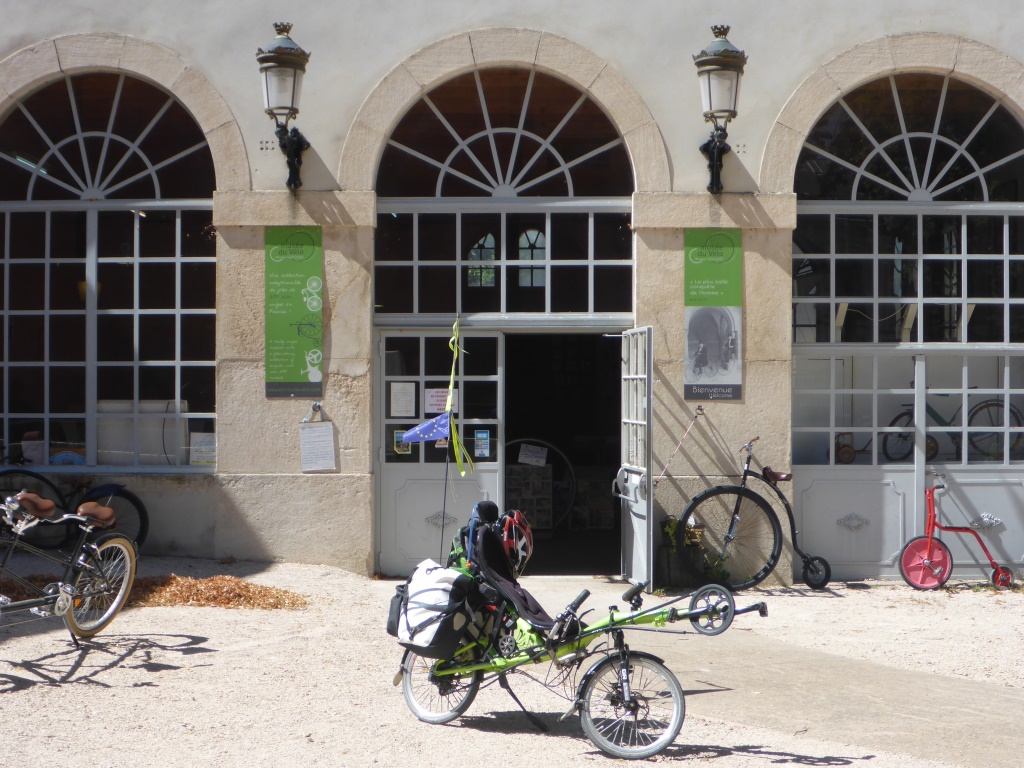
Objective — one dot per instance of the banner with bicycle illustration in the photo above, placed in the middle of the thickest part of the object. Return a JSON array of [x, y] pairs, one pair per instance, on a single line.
[[713, 279], [294, 312]]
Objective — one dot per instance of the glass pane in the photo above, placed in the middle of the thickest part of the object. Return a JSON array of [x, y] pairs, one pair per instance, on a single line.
[[199, 388], [985, 234], [67, 338], [157, 286], [116, 286], [944, 410], [157, 336], [811, 410], [812, 323], [613, 289], [27, 286], [1016, 245], [942, 322], [27, 236], [569, 236], [437, 237], [67, 389], [812, 235], [481, 289], [25, 335], [527, 237], [855, 323], [854, 277], [1016, 323], [198, 337], [897, 323], [984, 279], [897, 277], [392, 289], [897, 234], [525, 289], [941, 234], [810, 447], [812, 277], [198, 235], [26, 389], [156, 383], [437, 289], [397, 452], [854, 234], [437, 358], [986, 372], [67, 286], [985, 324], [393, 238], [613, 238], [480, 400], [157, 234], [481, 356], [569, 289], [115, 337], [402, 399], [198, 286], [945, 372], [401, 356], [942, 278], [114, 382], [116, 234], [67, 235]]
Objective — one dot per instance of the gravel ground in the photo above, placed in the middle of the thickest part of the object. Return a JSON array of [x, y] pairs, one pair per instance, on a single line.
[[313, 687]]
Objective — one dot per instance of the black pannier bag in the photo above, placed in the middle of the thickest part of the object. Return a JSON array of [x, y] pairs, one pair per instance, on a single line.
[[436, 614]]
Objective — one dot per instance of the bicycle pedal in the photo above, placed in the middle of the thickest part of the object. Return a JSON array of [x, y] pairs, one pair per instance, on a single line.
[[4, 600], [40, 612]]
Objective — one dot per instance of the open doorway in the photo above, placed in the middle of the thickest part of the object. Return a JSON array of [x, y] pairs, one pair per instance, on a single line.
[[562, 429]]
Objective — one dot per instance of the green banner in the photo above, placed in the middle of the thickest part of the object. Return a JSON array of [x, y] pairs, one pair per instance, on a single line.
[[713, 278], [294, 311]]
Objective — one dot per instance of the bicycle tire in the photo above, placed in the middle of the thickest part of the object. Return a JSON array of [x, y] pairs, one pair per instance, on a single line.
[[990, 414], [132, 516], [433, 699], [637, 732], [102, 586], [897, 446], [919, 574], [557, 517], [44, 535], [756, 546], [817, 573]]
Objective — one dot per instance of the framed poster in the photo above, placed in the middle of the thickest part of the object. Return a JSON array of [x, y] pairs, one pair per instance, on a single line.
[[293, 312], [713, 281]]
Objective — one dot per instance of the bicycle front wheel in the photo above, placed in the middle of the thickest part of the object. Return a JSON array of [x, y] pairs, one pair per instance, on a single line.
[[102, 586], [739, 555], [642, 726], [925, 563], [45, 535], [131, 514], [436, 698]]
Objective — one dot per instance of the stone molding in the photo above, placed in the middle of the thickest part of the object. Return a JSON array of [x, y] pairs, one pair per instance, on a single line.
[[479, 48], [979, 64], [261, 208], [675, 210], [40, 63]]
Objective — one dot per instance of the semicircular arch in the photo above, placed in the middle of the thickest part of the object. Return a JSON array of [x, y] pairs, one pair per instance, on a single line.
[[29, 68], [410, 80], [981, 65]]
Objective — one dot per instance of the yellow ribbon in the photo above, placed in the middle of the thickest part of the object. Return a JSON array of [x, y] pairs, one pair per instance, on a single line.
[[457, 445]]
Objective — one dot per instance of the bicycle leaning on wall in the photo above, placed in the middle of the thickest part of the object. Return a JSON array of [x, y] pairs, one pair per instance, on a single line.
[[740, 534], [132, 517]]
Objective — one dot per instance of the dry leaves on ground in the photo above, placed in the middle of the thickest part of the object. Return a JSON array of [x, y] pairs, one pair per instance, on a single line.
[[174, 590]]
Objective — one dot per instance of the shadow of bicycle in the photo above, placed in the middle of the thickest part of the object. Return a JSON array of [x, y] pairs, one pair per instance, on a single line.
[[97, 659]]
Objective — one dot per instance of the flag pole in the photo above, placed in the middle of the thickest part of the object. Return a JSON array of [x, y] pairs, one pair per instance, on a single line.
[[444, 496]]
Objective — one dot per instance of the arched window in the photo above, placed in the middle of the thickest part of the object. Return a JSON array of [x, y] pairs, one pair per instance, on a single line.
[[506, 166], [108, 267], [910, 239]]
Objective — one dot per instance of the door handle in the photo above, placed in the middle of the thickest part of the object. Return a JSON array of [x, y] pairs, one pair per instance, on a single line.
[[632, 492]]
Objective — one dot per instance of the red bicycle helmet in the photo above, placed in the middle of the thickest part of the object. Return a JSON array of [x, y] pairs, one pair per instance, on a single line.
[[516, 538]]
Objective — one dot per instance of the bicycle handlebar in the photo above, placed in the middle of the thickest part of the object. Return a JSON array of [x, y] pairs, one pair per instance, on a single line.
[[750, 446], [575, 604]]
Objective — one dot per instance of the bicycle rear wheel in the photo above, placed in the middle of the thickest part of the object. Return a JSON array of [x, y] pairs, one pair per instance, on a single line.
[[897, 445], [638, 728], [925, 562], [745, 557], [102, 587], [990, 443], [45, 535], [132, 517], [436, 698]]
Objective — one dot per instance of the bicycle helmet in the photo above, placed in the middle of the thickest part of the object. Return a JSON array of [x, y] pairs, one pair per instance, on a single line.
[[516, 538]]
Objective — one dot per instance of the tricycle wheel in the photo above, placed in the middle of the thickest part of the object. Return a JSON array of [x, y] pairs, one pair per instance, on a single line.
[[715, 608], [817, 573], [638, 728], [1002, 577], [436, 698]]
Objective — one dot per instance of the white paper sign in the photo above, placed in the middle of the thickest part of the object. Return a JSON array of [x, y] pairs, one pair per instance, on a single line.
[[436, 399], [535, 455], [403, 399], [202, 448], [316, 442]]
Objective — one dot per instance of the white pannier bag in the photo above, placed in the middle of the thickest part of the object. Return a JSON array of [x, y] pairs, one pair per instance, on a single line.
[[436, 615]]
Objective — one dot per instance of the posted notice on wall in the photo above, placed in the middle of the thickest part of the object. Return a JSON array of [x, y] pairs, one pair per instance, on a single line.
[[714, 314], [316, 443], [293, 312]]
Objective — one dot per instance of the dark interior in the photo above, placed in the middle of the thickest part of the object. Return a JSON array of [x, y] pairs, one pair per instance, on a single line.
[[562, 402]]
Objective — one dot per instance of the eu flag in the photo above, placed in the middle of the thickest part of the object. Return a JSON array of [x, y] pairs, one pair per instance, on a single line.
[[435, 429]]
